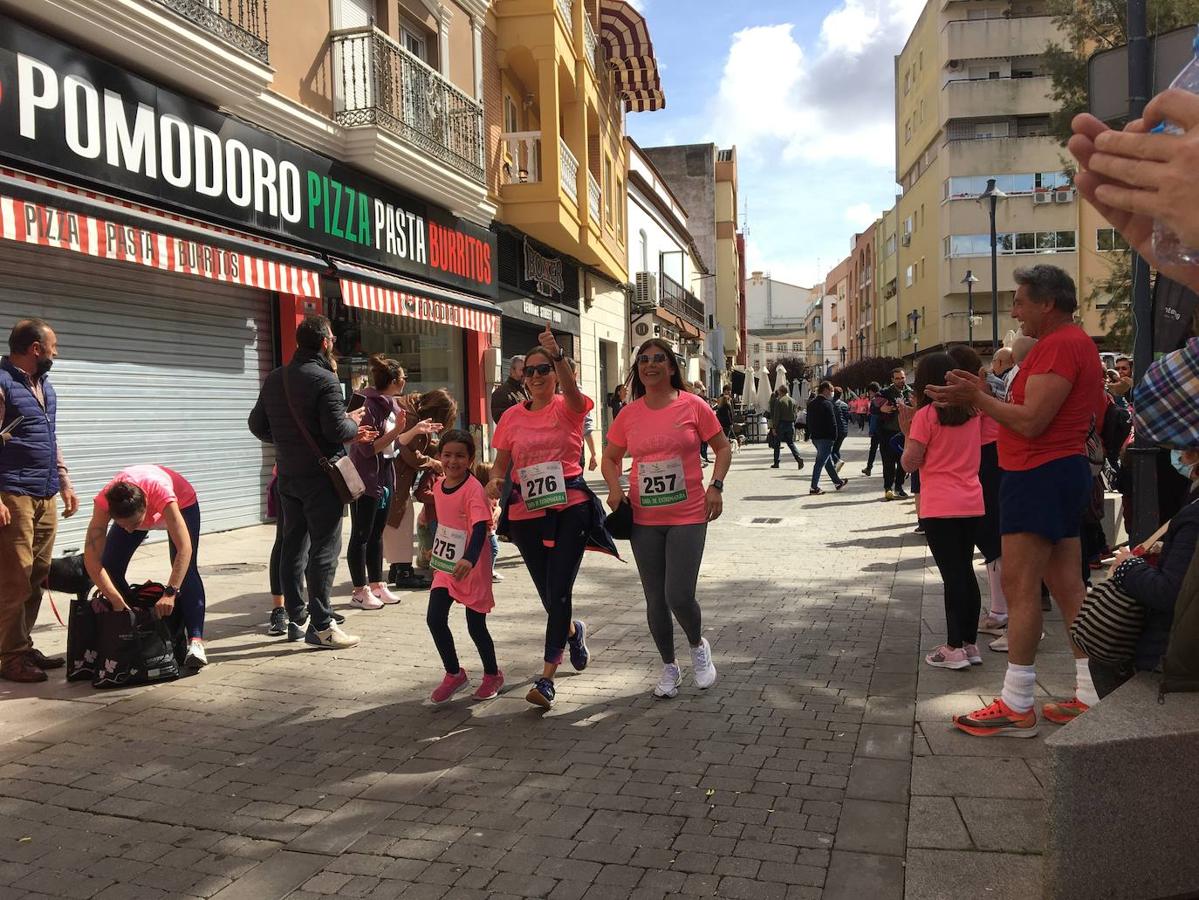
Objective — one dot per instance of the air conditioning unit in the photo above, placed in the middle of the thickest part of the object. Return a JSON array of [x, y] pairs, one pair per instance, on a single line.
[[1042, 197], [1063, 196], [906, 240], [647, 289]]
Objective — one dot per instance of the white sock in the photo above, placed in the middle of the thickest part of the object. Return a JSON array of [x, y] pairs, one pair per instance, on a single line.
[[1085, 690], [998, 598], [1019, 682]]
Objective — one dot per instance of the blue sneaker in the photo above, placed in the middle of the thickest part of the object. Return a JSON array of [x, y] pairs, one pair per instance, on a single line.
[[579, 654], [541, 693]]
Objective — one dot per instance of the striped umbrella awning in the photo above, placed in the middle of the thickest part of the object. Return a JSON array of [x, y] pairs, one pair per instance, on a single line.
[[630, 54]]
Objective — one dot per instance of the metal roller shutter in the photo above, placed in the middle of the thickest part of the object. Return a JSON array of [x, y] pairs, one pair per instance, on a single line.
[[153, 368]]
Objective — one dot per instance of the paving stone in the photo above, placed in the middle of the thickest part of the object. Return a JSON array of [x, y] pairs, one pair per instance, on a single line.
[[854, 876], [1014, 826], [880, 779], [871, 826], [998, 876], [965, 776]]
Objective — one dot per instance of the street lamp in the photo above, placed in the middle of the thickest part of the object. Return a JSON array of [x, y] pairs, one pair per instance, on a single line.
[[914, 318], [993, 194], [970, 281]]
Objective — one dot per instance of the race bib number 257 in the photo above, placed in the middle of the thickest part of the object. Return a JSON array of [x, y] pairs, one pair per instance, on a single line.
[[661, 483]]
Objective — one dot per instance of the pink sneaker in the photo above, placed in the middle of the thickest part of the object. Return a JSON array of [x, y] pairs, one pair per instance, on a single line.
[[362, 598], [450, 685], [490, 686], [386, 597], [945, 657], [972, 654]]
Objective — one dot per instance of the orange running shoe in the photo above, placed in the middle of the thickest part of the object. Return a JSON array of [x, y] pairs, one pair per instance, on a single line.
[[1066, 711], [998, 720]]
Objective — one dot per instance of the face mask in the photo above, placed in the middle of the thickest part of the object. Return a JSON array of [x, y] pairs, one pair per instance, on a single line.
[[1184, 469]]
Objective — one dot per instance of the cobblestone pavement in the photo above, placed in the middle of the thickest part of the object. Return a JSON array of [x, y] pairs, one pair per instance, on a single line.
[[820, 765]]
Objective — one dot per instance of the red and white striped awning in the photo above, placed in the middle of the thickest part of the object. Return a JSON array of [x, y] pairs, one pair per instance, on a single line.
[[383, 293], [50, 225], [630, 54]]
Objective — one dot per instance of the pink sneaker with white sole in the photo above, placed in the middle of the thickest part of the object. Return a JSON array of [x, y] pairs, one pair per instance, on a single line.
[[489, 687], [450, 685]]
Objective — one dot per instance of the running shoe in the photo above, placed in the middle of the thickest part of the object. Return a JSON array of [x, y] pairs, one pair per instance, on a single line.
[[362, 598], [496, 577], [946, 657], [541, 693], [815, 492], [1066, 711], [973, 654], [840, 465], [901, 494], [774, 465], [579, 654], [889, 495], [668, 684], [999, 645], [332, 638], [196, 657], [866, 472], [489, 687], [383, 594], [992, 624], [701, 665], [998, 720], [799, 462], [844, 481], [338, 618], [278, 624], [919, 529], [296, 629], [450, 685]]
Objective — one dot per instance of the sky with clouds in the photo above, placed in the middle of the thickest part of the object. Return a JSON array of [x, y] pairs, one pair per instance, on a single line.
[[804, 89]]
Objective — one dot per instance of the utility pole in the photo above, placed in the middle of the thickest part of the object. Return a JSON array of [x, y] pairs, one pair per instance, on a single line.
[[1141, 456]]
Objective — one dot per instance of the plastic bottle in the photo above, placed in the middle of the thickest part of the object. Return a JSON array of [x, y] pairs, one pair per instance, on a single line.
[[1168, 246]]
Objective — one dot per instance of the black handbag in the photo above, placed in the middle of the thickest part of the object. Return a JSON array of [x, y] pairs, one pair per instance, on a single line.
[[81, 640], [135, 646]]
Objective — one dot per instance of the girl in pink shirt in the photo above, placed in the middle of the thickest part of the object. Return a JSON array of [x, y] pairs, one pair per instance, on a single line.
[[944, 444], [662, 429], [461, 562], [549, 522]]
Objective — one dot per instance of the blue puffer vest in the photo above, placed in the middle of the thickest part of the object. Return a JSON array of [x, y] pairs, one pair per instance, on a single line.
[[29, 458]]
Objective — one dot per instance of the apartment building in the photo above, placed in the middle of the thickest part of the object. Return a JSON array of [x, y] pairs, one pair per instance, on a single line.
[[814, 328], [771, 303], [861, 295], [886, 244], [836, 295], [973, 99], [182, 181]]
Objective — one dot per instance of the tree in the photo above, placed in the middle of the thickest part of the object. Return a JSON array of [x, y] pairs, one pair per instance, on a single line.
[[858, 375], [797, 369]]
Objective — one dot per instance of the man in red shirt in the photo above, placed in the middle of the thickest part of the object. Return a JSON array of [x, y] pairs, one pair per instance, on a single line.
[[1055, 400]]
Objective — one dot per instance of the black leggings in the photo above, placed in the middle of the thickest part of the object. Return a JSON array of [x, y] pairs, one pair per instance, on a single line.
[[277, 550], [952, 544], [368, 518], [438, 620], [987, 537], [892, 470], [554, 569]]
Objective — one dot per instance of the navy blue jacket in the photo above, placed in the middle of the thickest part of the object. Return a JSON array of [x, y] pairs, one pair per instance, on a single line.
[[29, 454]]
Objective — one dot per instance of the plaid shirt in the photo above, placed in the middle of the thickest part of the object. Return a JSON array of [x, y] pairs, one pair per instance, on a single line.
[[1166, 402]]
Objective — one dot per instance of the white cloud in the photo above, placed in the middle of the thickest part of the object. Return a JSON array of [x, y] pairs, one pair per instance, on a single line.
[[860, 216]]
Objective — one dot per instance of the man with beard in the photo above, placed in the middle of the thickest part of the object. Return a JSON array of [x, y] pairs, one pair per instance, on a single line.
[[300, 405], [32, 472]]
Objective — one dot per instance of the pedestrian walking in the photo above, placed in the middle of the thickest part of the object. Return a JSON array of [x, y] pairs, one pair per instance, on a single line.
[[823, 430], [944, 445], [463, 565], [278, 621], [782, 426], [873, 401], [891, 398], [549, 512], [301, 412], [136, 501], [662, 430], [1046, 485], [842, 409], [32, 476]]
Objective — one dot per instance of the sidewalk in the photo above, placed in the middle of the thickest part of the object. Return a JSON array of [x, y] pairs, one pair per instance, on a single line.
[[821, 764]]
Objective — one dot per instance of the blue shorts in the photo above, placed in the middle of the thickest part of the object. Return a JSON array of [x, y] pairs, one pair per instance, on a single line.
[[1048, 501]]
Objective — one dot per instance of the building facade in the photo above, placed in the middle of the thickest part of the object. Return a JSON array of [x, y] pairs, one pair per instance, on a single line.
[[886, 278], [180, 183], [860, 297], [770, 303], [836, 293]]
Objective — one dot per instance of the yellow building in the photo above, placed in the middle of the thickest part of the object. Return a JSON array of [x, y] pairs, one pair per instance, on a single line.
[[886, 248], [973, 100], [728, 264]]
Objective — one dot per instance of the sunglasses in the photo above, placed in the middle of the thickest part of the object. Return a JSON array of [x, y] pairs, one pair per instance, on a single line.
[[647, 358], [543, 369]]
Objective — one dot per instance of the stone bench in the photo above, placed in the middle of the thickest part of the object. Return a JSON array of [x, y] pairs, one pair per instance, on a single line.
[[1123, 804]]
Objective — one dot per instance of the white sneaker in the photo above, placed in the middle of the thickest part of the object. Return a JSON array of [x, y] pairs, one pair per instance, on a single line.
[[496, 577], [668, 684], [701, 665], [196, 657], [992, 624], [999, 645], [362, 598], [384, 596], [332, 638]]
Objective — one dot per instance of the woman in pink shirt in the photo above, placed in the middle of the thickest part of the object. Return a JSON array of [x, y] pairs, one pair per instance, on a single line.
[[944, 444], [549, 510], [137, 500], [662, 430]]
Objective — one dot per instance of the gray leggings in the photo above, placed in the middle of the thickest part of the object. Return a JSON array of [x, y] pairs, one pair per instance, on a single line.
[[668, 558]]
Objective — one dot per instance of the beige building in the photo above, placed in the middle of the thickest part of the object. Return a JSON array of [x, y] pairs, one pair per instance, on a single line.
[[973, 100], [728, 263], [886, 248]]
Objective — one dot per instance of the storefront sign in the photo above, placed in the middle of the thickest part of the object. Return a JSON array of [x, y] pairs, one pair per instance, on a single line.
[[65, 110], [544, 271], [547, 313]]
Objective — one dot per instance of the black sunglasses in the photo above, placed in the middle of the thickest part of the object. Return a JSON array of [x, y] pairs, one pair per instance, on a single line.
[[542, 369], [646, 358]]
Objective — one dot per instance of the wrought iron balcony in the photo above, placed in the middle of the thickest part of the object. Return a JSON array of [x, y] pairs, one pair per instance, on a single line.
[[677, 299], [241, 23], [379, 83]]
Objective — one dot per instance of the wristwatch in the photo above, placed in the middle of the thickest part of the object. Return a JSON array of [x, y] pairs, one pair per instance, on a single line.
[[718, 484], [169, 591]]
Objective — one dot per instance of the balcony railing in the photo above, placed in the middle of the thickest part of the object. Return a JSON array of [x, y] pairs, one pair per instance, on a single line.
[[680, 301], [241, 23], [377, 82], [590, 42], [595, 198], [569, 169], [566, 7], [524, 153]]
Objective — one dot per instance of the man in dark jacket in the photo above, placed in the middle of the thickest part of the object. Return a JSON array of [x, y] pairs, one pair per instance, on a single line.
[[822, 429], [32, 474], [889, 400], [306, 394], [511, 392]]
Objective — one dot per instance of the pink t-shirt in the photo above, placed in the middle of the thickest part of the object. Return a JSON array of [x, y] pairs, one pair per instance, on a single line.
[[949, 486], [458, 511], [667, 486], [541, 442], [162, 487]]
